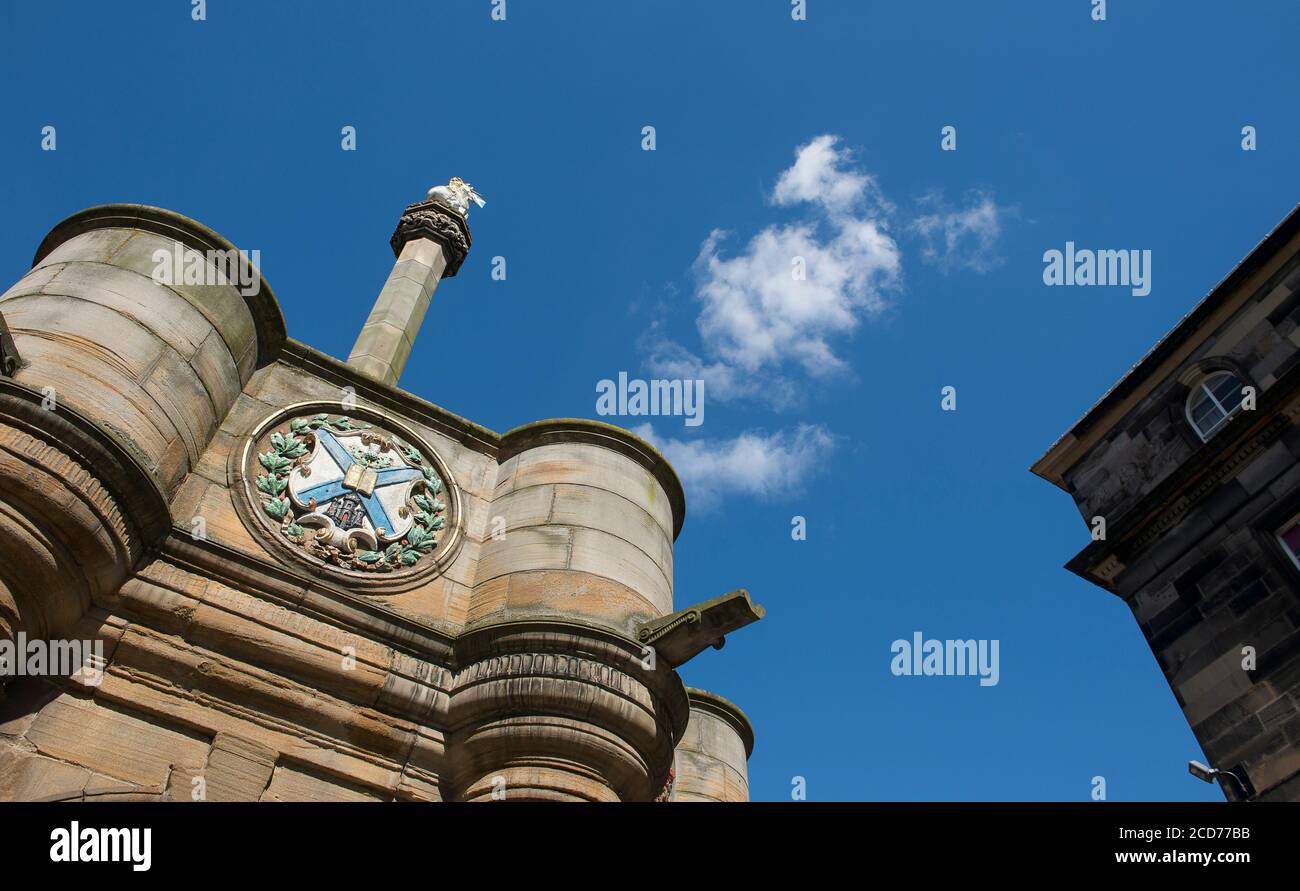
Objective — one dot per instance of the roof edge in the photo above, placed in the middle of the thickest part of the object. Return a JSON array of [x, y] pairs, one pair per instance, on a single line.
[[1046, 466]]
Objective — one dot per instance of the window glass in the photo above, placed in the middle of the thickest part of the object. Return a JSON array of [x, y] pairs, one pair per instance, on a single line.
[[1213, 401]]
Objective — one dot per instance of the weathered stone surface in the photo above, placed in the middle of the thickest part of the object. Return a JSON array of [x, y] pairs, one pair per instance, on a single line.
[[112, 742], [237, 769], [291, 784]]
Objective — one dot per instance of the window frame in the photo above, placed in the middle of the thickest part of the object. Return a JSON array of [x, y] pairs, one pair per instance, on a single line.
[[1202, 388], [1294, 520]]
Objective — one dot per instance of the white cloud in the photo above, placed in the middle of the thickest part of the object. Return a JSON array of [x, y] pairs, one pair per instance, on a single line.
[[820, 175], [753, 463], [759, 315], [960, 237]]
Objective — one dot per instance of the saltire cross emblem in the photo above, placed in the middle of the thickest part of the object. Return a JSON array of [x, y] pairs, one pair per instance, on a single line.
[[382, 493]]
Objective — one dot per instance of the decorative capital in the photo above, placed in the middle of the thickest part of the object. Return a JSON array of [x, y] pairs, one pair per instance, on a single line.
[[433, 220]]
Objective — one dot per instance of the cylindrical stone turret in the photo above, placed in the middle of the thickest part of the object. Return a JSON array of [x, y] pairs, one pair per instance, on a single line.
[[589, 513], [134, 333], [581, 556], [139, 319], [712, 758]]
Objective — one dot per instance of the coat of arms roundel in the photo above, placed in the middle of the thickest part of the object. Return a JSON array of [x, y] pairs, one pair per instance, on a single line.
[[348, 491]]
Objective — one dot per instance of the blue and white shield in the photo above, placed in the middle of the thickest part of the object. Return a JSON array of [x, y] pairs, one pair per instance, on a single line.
[[355, 485]]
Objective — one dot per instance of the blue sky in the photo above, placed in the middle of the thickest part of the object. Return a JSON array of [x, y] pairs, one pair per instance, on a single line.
[[822, 402]]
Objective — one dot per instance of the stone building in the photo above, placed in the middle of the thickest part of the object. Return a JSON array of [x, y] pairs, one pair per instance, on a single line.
[[306, 583], [1188, 474]]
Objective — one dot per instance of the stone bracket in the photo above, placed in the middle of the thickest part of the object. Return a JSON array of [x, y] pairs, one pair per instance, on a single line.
[[680, 637], [9, 361]]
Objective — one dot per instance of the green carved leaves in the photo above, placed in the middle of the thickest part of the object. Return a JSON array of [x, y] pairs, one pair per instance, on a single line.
[[273, 462], [288, 446], [409, 452], [429, 505], [271, 485], [315, 422], [277, 507], [278, 462], [420, 538]]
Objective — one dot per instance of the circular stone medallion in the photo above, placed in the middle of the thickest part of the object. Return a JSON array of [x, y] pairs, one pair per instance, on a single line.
[[353, 492]]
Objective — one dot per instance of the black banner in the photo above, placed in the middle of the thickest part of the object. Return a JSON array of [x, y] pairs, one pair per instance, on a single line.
[[140, 841]]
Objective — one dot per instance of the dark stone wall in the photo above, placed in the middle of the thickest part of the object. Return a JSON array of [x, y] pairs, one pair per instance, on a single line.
[[1192, 539], [1215, 583], [1226, 593], [1155, 438]]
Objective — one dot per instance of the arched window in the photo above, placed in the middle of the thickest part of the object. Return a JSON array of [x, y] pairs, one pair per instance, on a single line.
[[1213, 401]]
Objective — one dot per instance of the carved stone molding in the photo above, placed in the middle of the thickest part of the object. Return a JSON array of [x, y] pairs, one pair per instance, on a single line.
[[523, 696], [64, 538], [431, 220]]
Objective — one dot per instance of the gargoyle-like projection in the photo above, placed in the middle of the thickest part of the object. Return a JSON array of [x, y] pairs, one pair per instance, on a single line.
[[686, 633]]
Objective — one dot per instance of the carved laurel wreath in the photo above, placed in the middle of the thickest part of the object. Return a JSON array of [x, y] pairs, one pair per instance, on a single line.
[[292, 448]]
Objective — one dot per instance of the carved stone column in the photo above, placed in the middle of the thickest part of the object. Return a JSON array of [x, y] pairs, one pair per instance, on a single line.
[[561, 713], [431, 243]]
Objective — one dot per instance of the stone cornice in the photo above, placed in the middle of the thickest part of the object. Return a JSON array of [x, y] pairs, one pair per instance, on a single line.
[[400, 402], [452, 647], [307, 594], [265, 309], [1215, 463]]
